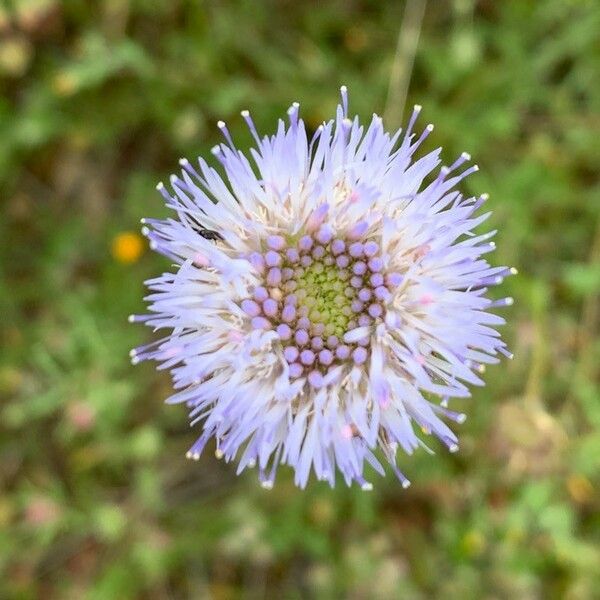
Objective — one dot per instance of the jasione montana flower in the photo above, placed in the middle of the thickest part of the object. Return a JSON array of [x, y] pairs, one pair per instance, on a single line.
[[325, 302]]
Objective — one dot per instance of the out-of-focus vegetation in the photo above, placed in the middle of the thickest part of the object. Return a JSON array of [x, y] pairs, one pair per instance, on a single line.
[[98, 101]]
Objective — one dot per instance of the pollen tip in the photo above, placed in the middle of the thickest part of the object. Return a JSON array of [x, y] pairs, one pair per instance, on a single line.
[[417, 108], [219, 454], [343, 89], [160, 185], [131, 318], [509, 301], [466, 156], [251, 464], [366, 486], [485, 196], [221, 124], [406, 484], [267, 485], [245, 113], [475, 168], [461, 418], [215, 150], [143, 220], [135, 360], [188, 454], [430, 127], [514, 271], [132, 353], [453, 448]]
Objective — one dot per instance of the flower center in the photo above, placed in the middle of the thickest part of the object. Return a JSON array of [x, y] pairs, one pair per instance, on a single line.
[[321, 294]]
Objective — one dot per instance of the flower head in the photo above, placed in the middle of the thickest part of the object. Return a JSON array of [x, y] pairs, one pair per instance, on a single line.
[[326, 302]]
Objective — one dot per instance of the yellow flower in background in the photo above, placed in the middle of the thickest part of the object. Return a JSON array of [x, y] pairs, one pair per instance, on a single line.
[[127, 247], [580, 489]]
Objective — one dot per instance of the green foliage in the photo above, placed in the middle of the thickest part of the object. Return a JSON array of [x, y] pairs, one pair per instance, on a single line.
[[98, 100]]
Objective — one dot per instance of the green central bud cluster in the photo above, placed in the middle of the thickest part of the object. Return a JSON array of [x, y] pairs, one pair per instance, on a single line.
[[321, 289], [322, 295]]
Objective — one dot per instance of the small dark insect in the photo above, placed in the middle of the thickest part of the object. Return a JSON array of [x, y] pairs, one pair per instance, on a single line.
[[207, 234]]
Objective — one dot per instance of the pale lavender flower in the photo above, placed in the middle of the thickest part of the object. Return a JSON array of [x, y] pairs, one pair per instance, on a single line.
[[323, 297]]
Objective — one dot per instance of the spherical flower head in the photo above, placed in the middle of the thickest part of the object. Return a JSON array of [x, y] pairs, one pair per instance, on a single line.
[[326, 302]]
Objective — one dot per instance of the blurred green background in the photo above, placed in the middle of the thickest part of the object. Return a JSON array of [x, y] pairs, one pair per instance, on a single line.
[[98, 101]]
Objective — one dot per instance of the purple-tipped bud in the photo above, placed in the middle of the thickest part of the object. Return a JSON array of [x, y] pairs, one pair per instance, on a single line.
[[325, 234], [359, 356], [357, 306], [276, 242], [382, 293], [307, 357], [251, 308], [359, 268], [356, 281], [332, 341], [342, 261], [290, 353], [301, 337], [375, 310], [376, 279], [288, 314], [317, 343], [257, 261], [364, 321], [318, 328], [371, 249], [337, 247], [272, 259], [355, 250], [376, 264], [305, 243], [325, 357], [290, 286], [303, 323], [318, 252], [328, 260], [358, 230], [260, 293], [274, 277], [291, 299], [342, 351], [270, 307], [364, 294], [287, 273], [306, 261], [284, 331], [292, 255]]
